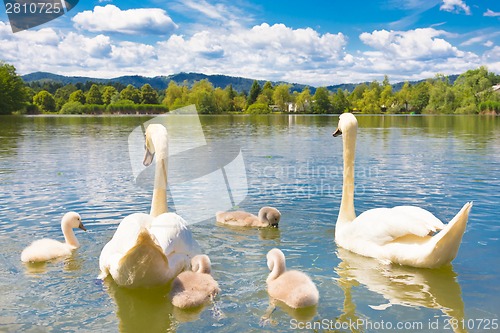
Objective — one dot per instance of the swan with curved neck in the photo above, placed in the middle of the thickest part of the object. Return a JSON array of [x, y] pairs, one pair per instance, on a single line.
[[294, 288], [47, 249], [150, 249], [404, 235]]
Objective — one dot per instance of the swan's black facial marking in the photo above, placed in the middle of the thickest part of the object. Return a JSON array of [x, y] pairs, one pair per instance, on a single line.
[[337, 132]]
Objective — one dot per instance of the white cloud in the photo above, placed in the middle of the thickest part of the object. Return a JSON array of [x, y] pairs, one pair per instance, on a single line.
[[263, 51], [412, 44], [270, 52], [455, 6], [488, 43], [491, 13], [132, 21]]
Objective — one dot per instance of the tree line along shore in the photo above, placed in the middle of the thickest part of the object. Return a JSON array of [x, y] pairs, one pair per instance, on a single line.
[[475, 91]]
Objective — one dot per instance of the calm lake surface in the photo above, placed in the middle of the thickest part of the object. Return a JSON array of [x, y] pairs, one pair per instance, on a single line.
[[50, 165]]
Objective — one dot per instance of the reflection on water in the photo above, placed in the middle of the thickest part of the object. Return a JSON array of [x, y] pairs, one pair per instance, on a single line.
[[49, 165], [399, 285], [141, 310]]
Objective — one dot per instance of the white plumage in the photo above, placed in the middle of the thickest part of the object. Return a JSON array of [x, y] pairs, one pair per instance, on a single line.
[[405, 234], [47, 249], [150, 250]]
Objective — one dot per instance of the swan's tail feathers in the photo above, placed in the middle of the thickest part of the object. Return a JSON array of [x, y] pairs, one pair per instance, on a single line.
[[144, 265], [448, 240]]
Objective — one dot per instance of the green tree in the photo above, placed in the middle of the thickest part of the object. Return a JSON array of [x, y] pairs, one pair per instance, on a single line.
[[72, 108], [77, 96], [108, 93], [402, 98], [13, 94], [230, 95], [254, 92], [267, 93], [386, 97], [176, 96], [321, 100], [441, 96], [371, 97], [94, 95], [131, 93], [356, 97], [45, 101], [340, 103], [62, 95], [202, 95], [419, 97], [282, 97], [148, 95], [258, 108], [240, 102], [303, 100]]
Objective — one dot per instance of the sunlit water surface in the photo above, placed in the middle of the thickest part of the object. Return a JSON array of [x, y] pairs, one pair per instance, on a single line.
[[50, 165]]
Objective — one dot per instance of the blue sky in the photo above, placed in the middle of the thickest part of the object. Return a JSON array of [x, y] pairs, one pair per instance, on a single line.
[[311, 42]]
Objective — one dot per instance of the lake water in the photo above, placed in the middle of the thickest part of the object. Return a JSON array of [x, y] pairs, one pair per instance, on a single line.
[[50, 165]]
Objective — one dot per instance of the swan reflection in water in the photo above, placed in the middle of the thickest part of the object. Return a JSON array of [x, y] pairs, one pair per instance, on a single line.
[[399, 285], [148, 310]]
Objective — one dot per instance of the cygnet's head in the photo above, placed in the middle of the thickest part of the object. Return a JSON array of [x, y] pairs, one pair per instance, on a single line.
[[156, 143], [275, 257], [201, 264], [73, 220], [347, 123], [270, 215]]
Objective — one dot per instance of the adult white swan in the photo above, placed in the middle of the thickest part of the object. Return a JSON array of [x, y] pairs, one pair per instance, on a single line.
[[404, 235], [150, 250]]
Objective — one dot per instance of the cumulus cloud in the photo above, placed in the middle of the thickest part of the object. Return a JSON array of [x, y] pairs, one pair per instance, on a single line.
[[261, 51], [270, 52], [455, 6], [110, 18], [412, 44], [491, 13]]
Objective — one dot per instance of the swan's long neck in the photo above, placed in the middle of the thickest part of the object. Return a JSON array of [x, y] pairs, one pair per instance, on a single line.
[[159, 201], [347, 213], [69, 235], [277, 267]]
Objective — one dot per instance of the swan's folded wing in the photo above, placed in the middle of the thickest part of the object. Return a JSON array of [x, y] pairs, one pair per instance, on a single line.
[[124, 238], [173, 235], [383, 225]]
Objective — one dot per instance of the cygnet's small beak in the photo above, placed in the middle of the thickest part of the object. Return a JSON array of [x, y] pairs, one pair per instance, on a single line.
[[82, 227], [337, 132]]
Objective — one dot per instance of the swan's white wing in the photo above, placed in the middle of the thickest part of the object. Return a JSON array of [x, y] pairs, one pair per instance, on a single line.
[[123, 240], [172, 233], [383, 225]]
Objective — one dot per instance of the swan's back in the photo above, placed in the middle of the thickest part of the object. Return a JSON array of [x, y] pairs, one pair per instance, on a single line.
[[295, 289], [238, 218], [45, 249]]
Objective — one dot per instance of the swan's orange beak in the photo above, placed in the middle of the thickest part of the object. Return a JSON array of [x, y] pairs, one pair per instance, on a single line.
[[337, 132]]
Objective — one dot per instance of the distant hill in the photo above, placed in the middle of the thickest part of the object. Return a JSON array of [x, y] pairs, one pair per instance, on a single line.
[[158, 82], [219, 81]]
